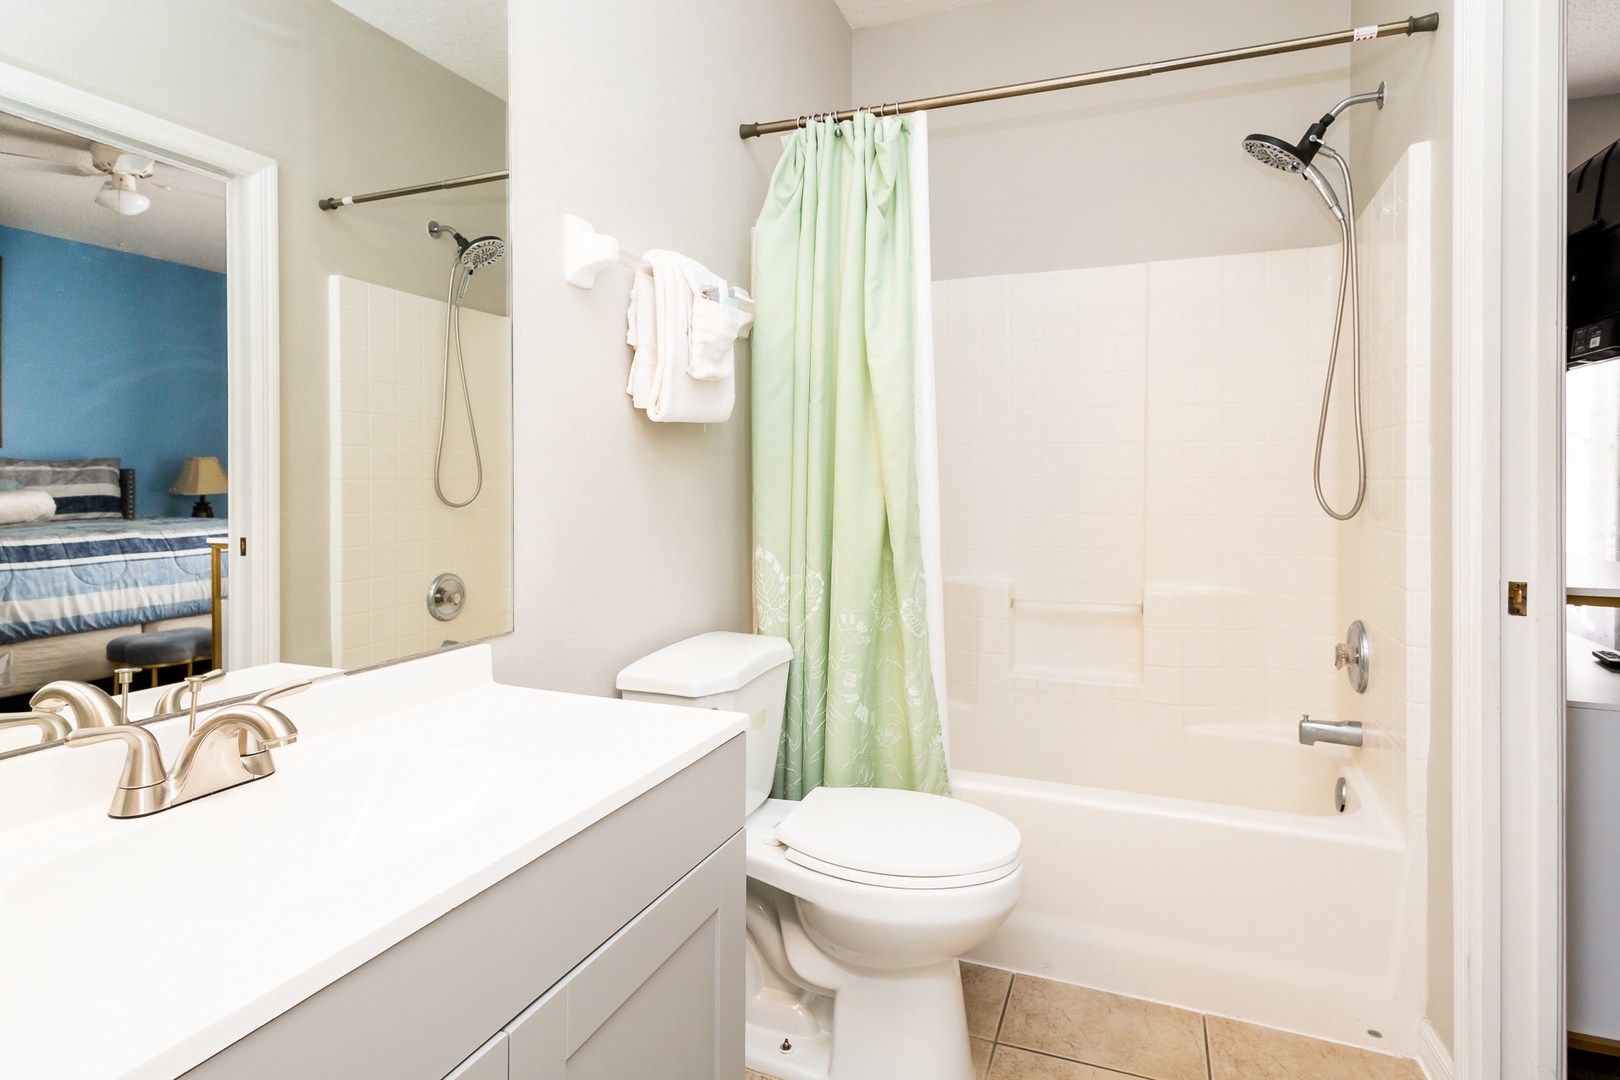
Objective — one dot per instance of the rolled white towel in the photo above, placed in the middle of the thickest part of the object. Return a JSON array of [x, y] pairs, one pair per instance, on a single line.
[[29, 504]]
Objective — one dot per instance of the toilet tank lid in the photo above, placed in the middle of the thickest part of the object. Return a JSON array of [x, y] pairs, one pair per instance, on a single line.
[[713, 663]]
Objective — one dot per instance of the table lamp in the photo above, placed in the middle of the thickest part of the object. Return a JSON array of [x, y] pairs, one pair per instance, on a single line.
[[200, 476]]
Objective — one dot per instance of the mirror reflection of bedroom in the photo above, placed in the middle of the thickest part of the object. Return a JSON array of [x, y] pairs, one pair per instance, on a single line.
[[113, 414]]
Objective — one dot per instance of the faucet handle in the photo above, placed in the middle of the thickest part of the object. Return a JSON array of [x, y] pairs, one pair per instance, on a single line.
[[174, 696], [298, 686]]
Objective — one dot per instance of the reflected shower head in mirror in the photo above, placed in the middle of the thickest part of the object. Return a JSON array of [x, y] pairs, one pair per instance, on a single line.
[[471, 256], [482, 252]]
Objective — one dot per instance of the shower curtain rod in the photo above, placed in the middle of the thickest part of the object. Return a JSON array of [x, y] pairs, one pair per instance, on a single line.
[[414, 189], [1417, 24]]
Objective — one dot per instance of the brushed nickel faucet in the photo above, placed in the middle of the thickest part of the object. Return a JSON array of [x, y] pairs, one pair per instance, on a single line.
[[51, 727], [80, 705], [230, 747]]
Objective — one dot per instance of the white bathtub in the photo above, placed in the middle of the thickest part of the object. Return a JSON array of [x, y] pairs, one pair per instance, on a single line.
[[1213, 871]]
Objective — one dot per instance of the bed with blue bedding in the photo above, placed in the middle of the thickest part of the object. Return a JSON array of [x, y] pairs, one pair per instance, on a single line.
[[68, 577]]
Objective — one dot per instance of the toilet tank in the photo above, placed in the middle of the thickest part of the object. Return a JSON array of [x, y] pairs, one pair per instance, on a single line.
[[744, 673]]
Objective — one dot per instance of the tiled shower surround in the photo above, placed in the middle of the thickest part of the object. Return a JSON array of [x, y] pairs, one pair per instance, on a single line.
[[390, 534], [1130, 534]]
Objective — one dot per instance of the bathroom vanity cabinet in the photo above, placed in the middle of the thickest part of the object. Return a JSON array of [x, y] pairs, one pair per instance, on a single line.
[[618, 953]]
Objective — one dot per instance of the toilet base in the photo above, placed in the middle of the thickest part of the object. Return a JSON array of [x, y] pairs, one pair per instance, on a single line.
[[889, 1025], [875, 1025], [807, 1059]]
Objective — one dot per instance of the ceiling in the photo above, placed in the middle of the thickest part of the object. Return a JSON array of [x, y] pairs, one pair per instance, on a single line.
[[466, 36], [41, 192], [1593, 35], [859, 13]]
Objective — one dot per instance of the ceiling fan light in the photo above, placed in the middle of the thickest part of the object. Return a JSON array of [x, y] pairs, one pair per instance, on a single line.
[[118, 194]]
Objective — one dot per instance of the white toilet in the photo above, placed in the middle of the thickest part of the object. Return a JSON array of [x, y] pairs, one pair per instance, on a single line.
[[859, 899]]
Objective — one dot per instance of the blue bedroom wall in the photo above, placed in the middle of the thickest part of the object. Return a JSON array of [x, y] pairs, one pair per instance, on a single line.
[[107, 354]]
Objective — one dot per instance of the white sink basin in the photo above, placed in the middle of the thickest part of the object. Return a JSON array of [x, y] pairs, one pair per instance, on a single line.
[[306, 829], [410, 790]]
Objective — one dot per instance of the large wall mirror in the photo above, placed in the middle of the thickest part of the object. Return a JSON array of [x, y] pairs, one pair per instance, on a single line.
[[153, 443]]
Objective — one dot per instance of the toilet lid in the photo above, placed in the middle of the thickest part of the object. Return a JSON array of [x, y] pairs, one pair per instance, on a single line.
[[905, 834]]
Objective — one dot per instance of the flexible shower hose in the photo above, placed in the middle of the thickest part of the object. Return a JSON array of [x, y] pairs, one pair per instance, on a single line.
[[1349, 282], [452, 340]]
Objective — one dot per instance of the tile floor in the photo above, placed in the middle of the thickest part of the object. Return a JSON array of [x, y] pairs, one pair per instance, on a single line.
[[1025, 1028]]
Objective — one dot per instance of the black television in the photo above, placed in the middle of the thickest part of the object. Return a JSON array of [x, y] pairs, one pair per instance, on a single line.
[[1594, 258]]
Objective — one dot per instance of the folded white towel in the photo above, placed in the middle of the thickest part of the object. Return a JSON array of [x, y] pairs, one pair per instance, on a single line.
[[29, 504], [676, 395], [716, 326], [642, 336]]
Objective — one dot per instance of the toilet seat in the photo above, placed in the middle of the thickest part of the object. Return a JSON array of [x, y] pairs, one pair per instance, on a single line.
[[898, 839], [895, 881]]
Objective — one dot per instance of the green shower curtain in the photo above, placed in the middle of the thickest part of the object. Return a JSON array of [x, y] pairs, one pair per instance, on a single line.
[[838, 566]]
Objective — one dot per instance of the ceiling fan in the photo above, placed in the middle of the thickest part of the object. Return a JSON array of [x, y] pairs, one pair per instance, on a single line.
[[120, 192]]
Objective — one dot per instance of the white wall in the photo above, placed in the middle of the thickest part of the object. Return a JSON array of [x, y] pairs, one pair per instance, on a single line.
[[342, 108], [1418, 71], [1128, 172], [632, 534], [1125, 469], [1593, 123]]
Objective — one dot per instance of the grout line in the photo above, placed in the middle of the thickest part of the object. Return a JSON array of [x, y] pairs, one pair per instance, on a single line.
[[1006, 1000], [1209, 1060], [1075, 1061]]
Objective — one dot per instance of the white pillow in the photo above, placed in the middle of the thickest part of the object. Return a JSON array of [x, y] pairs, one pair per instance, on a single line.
[[30, 504]]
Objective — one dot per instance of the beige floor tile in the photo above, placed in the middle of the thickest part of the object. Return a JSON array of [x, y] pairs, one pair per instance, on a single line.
[[1140, 1037], [985, 990], [1239, 1051], [750, 1074], [980, 1049], [1015, 1064]]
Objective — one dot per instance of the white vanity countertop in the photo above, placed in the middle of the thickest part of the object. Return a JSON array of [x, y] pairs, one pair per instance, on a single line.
[[139, 948]]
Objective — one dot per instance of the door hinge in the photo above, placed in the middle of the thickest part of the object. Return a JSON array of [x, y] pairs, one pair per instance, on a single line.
[[1518, 598]]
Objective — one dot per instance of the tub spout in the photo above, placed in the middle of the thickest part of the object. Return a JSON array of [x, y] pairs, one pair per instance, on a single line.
[[1345, 732]]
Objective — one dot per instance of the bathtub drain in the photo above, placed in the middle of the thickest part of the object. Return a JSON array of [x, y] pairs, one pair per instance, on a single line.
[[1341, 794]]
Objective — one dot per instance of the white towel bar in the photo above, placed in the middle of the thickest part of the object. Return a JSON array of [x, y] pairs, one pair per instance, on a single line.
[[587, 252]]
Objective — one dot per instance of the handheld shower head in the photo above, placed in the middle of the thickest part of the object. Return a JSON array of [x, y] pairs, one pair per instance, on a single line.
[[471, 254], [482, 252], [1297, 157], [1270, 150]]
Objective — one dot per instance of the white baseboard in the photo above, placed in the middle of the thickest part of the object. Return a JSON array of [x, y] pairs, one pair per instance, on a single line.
[[1433, 1057]]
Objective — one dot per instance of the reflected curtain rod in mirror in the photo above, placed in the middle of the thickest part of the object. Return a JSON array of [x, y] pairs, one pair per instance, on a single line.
[[414, 189]]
